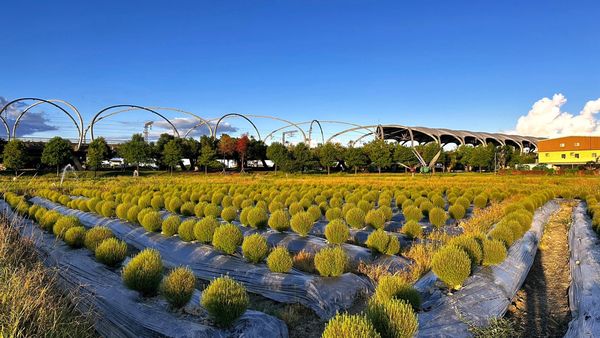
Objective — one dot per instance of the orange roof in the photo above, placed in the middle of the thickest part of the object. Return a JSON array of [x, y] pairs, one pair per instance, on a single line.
[[569, 143]]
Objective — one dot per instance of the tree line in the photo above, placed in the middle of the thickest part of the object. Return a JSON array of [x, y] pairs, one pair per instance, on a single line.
[[209, 154]]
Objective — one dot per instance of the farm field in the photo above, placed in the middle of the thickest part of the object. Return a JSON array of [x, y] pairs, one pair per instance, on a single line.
[[311, 255]]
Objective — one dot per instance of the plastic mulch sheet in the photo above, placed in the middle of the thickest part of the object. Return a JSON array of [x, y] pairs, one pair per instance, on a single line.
[[487, 293], [120, 312], [324, 295], [584, 292]]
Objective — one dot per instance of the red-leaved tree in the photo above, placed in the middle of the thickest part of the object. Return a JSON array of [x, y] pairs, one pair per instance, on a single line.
[[241, 148]]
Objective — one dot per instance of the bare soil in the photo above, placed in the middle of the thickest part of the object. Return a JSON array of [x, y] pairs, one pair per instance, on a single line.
[[541, 307]]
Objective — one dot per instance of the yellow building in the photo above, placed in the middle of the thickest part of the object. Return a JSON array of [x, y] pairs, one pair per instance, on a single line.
[[570, 150]]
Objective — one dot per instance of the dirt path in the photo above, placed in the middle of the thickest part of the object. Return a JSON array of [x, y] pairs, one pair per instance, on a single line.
[[541, 307]]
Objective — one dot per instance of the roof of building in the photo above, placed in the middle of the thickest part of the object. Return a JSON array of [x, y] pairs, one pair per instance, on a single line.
[[570, 143]]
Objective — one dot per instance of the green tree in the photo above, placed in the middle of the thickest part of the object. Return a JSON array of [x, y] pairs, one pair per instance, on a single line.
[[158, 148], [329, 155], [405, 156], [208, 154], [257, 150], [97, 152], [279, 155], [482, 156], [135, 151], [303, 157], [56, 152], [172, 153], [463, 155], [379, 153], [14, 155], [355, 157], [191, 151]]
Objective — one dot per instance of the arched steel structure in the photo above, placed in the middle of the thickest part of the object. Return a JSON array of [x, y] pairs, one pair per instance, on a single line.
[[270, 135], [39, 101], [310, 132], [98, 114], [79, 125], [238, 115], [153, 108]]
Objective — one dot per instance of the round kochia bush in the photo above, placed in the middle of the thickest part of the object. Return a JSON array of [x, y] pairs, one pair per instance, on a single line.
[[227, 238], [95, 236], [170, 225], [212, 210], [152, 221], [337, 232], [187, 208], [49, 218], [279, 260], [471, 246], [143, 273], [355, 218], [331, 262], [132, 214], [412, 229], [178, 286], [111, 252], [494, 252], [438, 217], [257, 217], [63, 224], [392, 286], [452, 265], [279, 220], [375, 218], [254, 248], [392, 317], [186, 230], [225, 300], [457, 211], [229, 214], [333, 213], [301, 223], [412, 213], [75, 236], [346, 325], [205, 229]]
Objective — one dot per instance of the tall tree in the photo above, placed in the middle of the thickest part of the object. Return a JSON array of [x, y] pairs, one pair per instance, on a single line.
[[406, 157], [14, 155], [97, 152], [56, 152], [226, 147], [257, 150], [379, 153], [208, 154], [191, 151], [158, 147], [329, 155], [241, 148], [172, 153], [355, 157], [303, 157], [279, 155], [135, 151]]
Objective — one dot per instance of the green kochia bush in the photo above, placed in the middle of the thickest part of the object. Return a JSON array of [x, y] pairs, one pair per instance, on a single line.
[[412, 213], [187, 208], [412, 229], [438, 217], [337, 232], [48, 220], [392, 318], [331, 262], [355, 217], [225, 300], [396, 287], [186, 230], [205, 229], [170, 225], [212, 210], [352, 326], [257, 217], [333, 213], [178, 286], [375, 218], [279, 220], [471, 247], [144, 272], [254, 248], [63, 224], [279, 260], [132, 214], [108, 209], [457, 211], [75, 236], [95, 236], [227, 238], [111, 252], [494, 252], [152, 221], [301, 223], [229, 214], [452, 265], [383, 243]]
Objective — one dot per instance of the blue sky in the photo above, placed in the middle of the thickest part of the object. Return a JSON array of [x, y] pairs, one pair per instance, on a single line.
[[475, 65]]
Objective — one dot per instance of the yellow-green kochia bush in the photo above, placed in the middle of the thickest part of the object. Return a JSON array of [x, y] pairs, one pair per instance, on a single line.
[[225, 300], [205, 229], [494, 252], [331, 262], [412, 213], [187, 208], [355, 218], [63, 224], [178, 286], [227, 238], [95, 236], [186, 230], [395, 287], [279, 220], [301, 223], [254, 248], [438, 217], [346, 325], [75, 236], [257, 217], [111, 252], [457, 211], [279, 260], [152, 221], [383, 243], [471, 247], [412, 229], [229, 214], [337, 232], [452, 266], [333, 213], [375, 218], [143, 273], [170, 225], [392, 317]]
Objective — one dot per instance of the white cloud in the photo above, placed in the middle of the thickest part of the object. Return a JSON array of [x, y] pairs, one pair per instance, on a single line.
[[545, 119], [183, 124]]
